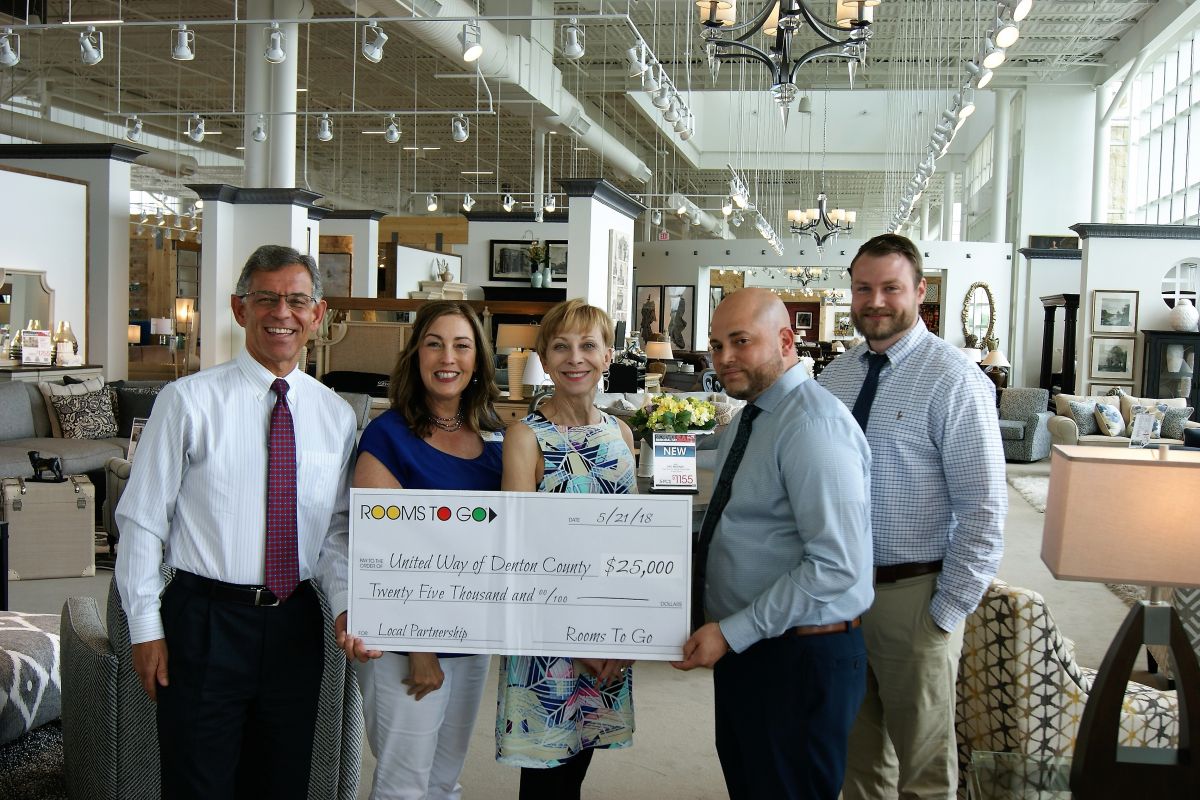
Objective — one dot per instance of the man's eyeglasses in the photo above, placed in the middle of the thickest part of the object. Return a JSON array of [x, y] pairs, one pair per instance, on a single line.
[[297, 301]]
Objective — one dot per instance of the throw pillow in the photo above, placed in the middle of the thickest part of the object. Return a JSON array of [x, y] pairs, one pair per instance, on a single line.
[[50, 390], [1173, 419], [1128, 402], [132, 402], [86, 416], [1156, 412], [1084, 415], [29, 682], [1108, 420]]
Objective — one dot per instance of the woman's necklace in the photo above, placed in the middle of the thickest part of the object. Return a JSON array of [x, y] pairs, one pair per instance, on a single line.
[[448, 424]]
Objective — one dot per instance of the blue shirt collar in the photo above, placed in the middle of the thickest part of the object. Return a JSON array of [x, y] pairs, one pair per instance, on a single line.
[[901, 349], [783, 385]]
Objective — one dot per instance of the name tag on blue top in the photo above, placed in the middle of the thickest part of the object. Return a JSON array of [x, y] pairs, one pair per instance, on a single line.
[[492, 436]]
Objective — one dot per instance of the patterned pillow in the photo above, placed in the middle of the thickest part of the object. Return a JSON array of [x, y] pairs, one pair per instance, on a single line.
[[1108, 420], [86, 416], [50, 390], [1173, 419], [1084, 415], [1157, 411], [29, 677]]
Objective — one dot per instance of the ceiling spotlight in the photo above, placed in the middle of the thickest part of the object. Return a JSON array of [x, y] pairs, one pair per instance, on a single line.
[[471, 40], [572, 40], [195, 129], [508, 203], [1004, 32], [980, 75], [431, 202], [91, 46], [276, 44], [690, 129], [142, 217], [10, 48], [325, 128], [373, 40], [993, 55], [468, 202], [159, 219], [662, 98], [727, 206], [550, 203], [637, 59], [965, 100], [392, 132], [1017, 9], [183, 44], [656, 217], [133, 128], [671, 112], [460, 129], [681, 123], [649, 81], [260, 130]]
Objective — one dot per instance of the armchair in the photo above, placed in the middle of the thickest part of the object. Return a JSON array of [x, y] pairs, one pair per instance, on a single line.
[[1023, 424], [1021, 691], [110, 737]]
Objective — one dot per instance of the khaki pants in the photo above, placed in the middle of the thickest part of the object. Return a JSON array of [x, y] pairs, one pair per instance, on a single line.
[[902, 744]]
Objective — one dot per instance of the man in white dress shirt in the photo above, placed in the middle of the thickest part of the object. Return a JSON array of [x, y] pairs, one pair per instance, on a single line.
[[232, 653]]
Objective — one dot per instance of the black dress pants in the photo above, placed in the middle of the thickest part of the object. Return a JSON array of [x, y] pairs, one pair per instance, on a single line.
[[784, 709], [236, 719]]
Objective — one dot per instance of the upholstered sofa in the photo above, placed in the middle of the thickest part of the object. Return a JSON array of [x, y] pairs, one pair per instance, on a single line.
[[110, 737], [1024, 420], [25, 425], [1065, 427], [1021, 691]]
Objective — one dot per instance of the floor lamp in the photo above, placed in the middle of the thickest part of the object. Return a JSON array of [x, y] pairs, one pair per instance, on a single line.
[[1122, 515]]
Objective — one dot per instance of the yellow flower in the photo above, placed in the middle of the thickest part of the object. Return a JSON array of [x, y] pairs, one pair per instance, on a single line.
[[673, 413]]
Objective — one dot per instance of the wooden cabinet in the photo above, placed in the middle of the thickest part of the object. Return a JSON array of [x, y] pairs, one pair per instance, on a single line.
[[511, 411], [1168, 366]]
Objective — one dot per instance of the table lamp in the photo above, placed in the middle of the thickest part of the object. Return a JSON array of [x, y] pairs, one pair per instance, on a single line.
[[659, 350], [162, 327], [996, 366], [517, 341], [972, 354], [536, 379], [134, 334], [1123, 515]]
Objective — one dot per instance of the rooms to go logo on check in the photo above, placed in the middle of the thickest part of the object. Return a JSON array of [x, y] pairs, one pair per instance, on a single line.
[[423, 513]]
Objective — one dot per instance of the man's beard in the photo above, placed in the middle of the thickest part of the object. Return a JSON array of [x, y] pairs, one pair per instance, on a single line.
[[885, 328]]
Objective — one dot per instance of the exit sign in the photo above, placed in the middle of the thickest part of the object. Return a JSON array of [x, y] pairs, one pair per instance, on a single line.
[[663, 236]]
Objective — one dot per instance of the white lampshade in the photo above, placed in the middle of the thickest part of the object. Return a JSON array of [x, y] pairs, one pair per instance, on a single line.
[[659, 350], [995, 359], [1122, 515], [837, 347], [534, 374], [135, 334], [973, 354], [514, 337], [163, 326]]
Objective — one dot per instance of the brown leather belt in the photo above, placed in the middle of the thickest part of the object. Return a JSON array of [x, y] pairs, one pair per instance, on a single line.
[[898, 572], [817, 630]]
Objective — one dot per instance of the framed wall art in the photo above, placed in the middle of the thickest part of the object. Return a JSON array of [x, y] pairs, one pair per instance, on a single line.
[[843, 328], [803, 319], [510, 260], [1101, 389], [1112, 358], [679, 307], [556, 256], [1114, 311], [647, 312], [620, 275]]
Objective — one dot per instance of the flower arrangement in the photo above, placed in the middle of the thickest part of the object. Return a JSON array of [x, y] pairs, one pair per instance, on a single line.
[[671, 413], [537, 252]]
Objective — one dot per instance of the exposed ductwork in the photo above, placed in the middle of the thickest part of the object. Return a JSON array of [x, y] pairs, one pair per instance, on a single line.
[[44, 131], [524, 65]]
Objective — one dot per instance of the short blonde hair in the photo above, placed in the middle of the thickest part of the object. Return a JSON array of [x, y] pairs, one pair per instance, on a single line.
[[573, 315]]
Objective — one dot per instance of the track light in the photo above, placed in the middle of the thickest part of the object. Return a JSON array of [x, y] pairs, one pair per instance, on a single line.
[[649, 81], [572, 40], [431, 202], [91, 46], [195, 130], [681, 123], [656, 217], [183, 44], [471, 40], [1017, 9], [689, 129], [727, 206], [508, 203], [468, 202], [133, 128], [805, 105], [10, 48], [142, 217], [1004, 32], [981, 76], [637, 59], [460, 129], [276, 44], [159, 219], [392, 132], [662, 98], [993, 55], [260, 130], [325, 128], [550, 203], [965, 100], [671, 112], [373, 41]]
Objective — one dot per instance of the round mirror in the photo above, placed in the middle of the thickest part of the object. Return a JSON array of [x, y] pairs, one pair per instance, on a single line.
[[1181, 282], [978, 317]]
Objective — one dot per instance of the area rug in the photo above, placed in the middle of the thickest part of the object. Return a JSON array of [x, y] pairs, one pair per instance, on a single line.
[[1033, 488], [31, 768]]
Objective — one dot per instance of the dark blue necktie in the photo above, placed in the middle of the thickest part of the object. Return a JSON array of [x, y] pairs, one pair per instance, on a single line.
[[866, 395], [716, 505]]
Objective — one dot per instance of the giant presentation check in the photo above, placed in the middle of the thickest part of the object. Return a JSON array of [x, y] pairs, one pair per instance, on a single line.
[[602, 576]]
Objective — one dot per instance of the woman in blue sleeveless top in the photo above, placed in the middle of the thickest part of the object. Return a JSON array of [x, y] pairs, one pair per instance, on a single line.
[[553, 712], [440, 433]]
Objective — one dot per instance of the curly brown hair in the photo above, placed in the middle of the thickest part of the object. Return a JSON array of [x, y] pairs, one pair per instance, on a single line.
[[407, 391]]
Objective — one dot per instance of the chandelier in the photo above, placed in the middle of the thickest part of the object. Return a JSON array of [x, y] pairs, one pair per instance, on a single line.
[[726, 40], [821, 223], [806, 275]]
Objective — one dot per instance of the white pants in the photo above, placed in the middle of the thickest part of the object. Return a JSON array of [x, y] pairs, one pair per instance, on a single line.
[[421, 746]]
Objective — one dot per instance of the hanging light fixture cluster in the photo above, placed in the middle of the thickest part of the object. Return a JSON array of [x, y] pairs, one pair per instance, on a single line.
[[10, 48], [779, 20], [1002, 34], [174, 226], [663, 94], [821, 223]]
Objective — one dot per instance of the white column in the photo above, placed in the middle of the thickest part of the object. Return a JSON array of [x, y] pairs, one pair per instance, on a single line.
[[948, 205], [924, 217], [1001, 148], [539, 165], [1101, 145], [258, 100]]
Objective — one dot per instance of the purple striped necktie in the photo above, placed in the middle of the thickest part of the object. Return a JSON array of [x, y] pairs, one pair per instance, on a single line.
[[282, 560]]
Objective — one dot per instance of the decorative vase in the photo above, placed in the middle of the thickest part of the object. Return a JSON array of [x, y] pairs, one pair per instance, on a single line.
[[1184, 316], [535, 279], [545, 270], [1174, 357], [645, 467]]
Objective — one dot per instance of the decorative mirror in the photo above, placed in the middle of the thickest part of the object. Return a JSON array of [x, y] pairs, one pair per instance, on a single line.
[[1181, 282], [979, 317], [25, 296]]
